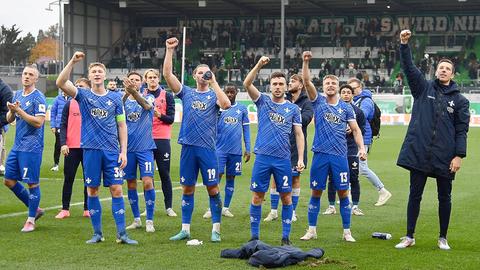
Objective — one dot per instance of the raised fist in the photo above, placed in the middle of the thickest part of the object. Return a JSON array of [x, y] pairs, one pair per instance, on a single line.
[[77, 57], [171, 43], [307, 56], [263, 61], [405, 36]]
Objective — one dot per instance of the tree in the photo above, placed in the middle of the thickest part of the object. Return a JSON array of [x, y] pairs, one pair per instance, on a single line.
[[14, 47], [45, 49], [52, 31]]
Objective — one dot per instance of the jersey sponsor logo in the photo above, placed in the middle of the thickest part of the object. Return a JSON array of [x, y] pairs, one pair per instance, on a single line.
[[99, 113], [332, 118], [198, 105], [133, 117], [230, 120], [276, 118]]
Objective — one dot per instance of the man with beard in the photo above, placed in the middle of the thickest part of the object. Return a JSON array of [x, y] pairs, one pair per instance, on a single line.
[[296, 95]]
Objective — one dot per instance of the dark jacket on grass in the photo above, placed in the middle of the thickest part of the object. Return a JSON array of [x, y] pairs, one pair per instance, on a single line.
[[439, 124], [260, 254]]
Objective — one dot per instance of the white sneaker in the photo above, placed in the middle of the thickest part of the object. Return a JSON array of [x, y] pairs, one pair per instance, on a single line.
[[294, 217], [171, 213], [383, 196], [406, 242], [144, 213], [357, 211], [207, 214], [54, 168], [443, 243], [137, 223], [271, 216], [347, 236], [226, 212], [149, 226], [310, 234], [330, 210]]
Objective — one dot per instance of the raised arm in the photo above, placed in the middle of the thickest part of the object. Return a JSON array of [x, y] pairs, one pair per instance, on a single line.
[[248, 82], [311, 90], [131, 89], [63, 81], [416, 80], [172, 81]]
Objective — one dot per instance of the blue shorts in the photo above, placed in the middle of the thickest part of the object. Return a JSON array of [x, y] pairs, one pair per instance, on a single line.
[[23, 166], [97, 161], [144, 160], [232, 162], [324, 165], [295, 172], [264, 167], [194, 158]]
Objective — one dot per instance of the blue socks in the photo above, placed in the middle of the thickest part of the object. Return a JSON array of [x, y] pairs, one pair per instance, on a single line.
[[345, 212], [21, 193], [150, 202], [313, 210], [118, 212], [133, 200], [95, 209], [229, 189], [255, 216], [33, 201], [274, 198], [187, 208], [295, 197], [287, 212], [216, 207]]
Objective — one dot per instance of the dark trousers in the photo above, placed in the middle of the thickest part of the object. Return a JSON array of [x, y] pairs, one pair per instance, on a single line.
[[162, 158], [72, 160], [56, 151], [444, 190], [354, 183]]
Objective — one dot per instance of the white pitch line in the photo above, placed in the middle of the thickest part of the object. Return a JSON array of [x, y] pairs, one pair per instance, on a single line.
[[79, 203]]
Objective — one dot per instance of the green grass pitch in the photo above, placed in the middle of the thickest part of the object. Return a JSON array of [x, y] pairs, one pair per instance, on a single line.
[[60, 244]]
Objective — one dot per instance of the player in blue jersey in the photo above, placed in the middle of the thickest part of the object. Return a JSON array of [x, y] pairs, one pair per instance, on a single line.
[[277, 118], [103, 129], [332, 116], [139, 117], [25, 158], [231, 123], [197, 137]]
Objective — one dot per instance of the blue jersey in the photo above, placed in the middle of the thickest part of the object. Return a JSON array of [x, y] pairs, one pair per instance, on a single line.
[[230, 127], [199, 121], [99, 124], [275, 124], [330, 126], [139, 125], [27, 137]]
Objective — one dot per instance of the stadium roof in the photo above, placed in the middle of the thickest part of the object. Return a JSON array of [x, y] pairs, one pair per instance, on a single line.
[[218, 8]]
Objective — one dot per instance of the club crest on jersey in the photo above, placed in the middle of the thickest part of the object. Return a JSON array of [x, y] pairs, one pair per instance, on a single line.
[[230, 120], [332, 118], [99, 113], [276, 118], [198, 105], [133, 117]]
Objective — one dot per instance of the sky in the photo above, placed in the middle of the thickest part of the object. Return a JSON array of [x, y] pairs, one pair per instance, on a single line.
[[28, 15]]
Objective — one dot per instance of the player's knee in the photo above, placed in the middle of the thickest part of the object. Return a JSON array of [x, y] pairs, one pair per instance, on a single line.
[[132, 184], [9, 183], [286, 198], [257, 198], [92, 191], [116, 191], [342, 194], [316, 193], [188, 190], [212, 190], [147, 183]]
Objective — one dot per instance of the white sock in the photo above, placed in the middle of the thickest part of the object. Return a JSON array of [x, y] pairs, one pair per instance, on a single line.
[[274, 211], [347, 231], [216, 227], [31, 220], [186, 227], [312, 229]]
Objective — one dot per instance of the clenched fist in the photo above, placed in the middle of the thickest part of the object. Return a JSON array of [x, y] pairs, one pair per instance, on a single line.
[[307, 56], [77, 57], [405, 36], [171, 43], [263, 61]]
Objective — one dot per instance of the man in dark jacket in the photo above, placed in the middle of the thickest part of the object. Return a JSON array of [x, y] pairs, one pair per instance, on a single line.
[[436, 139], [296, 95], [5, 95]]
